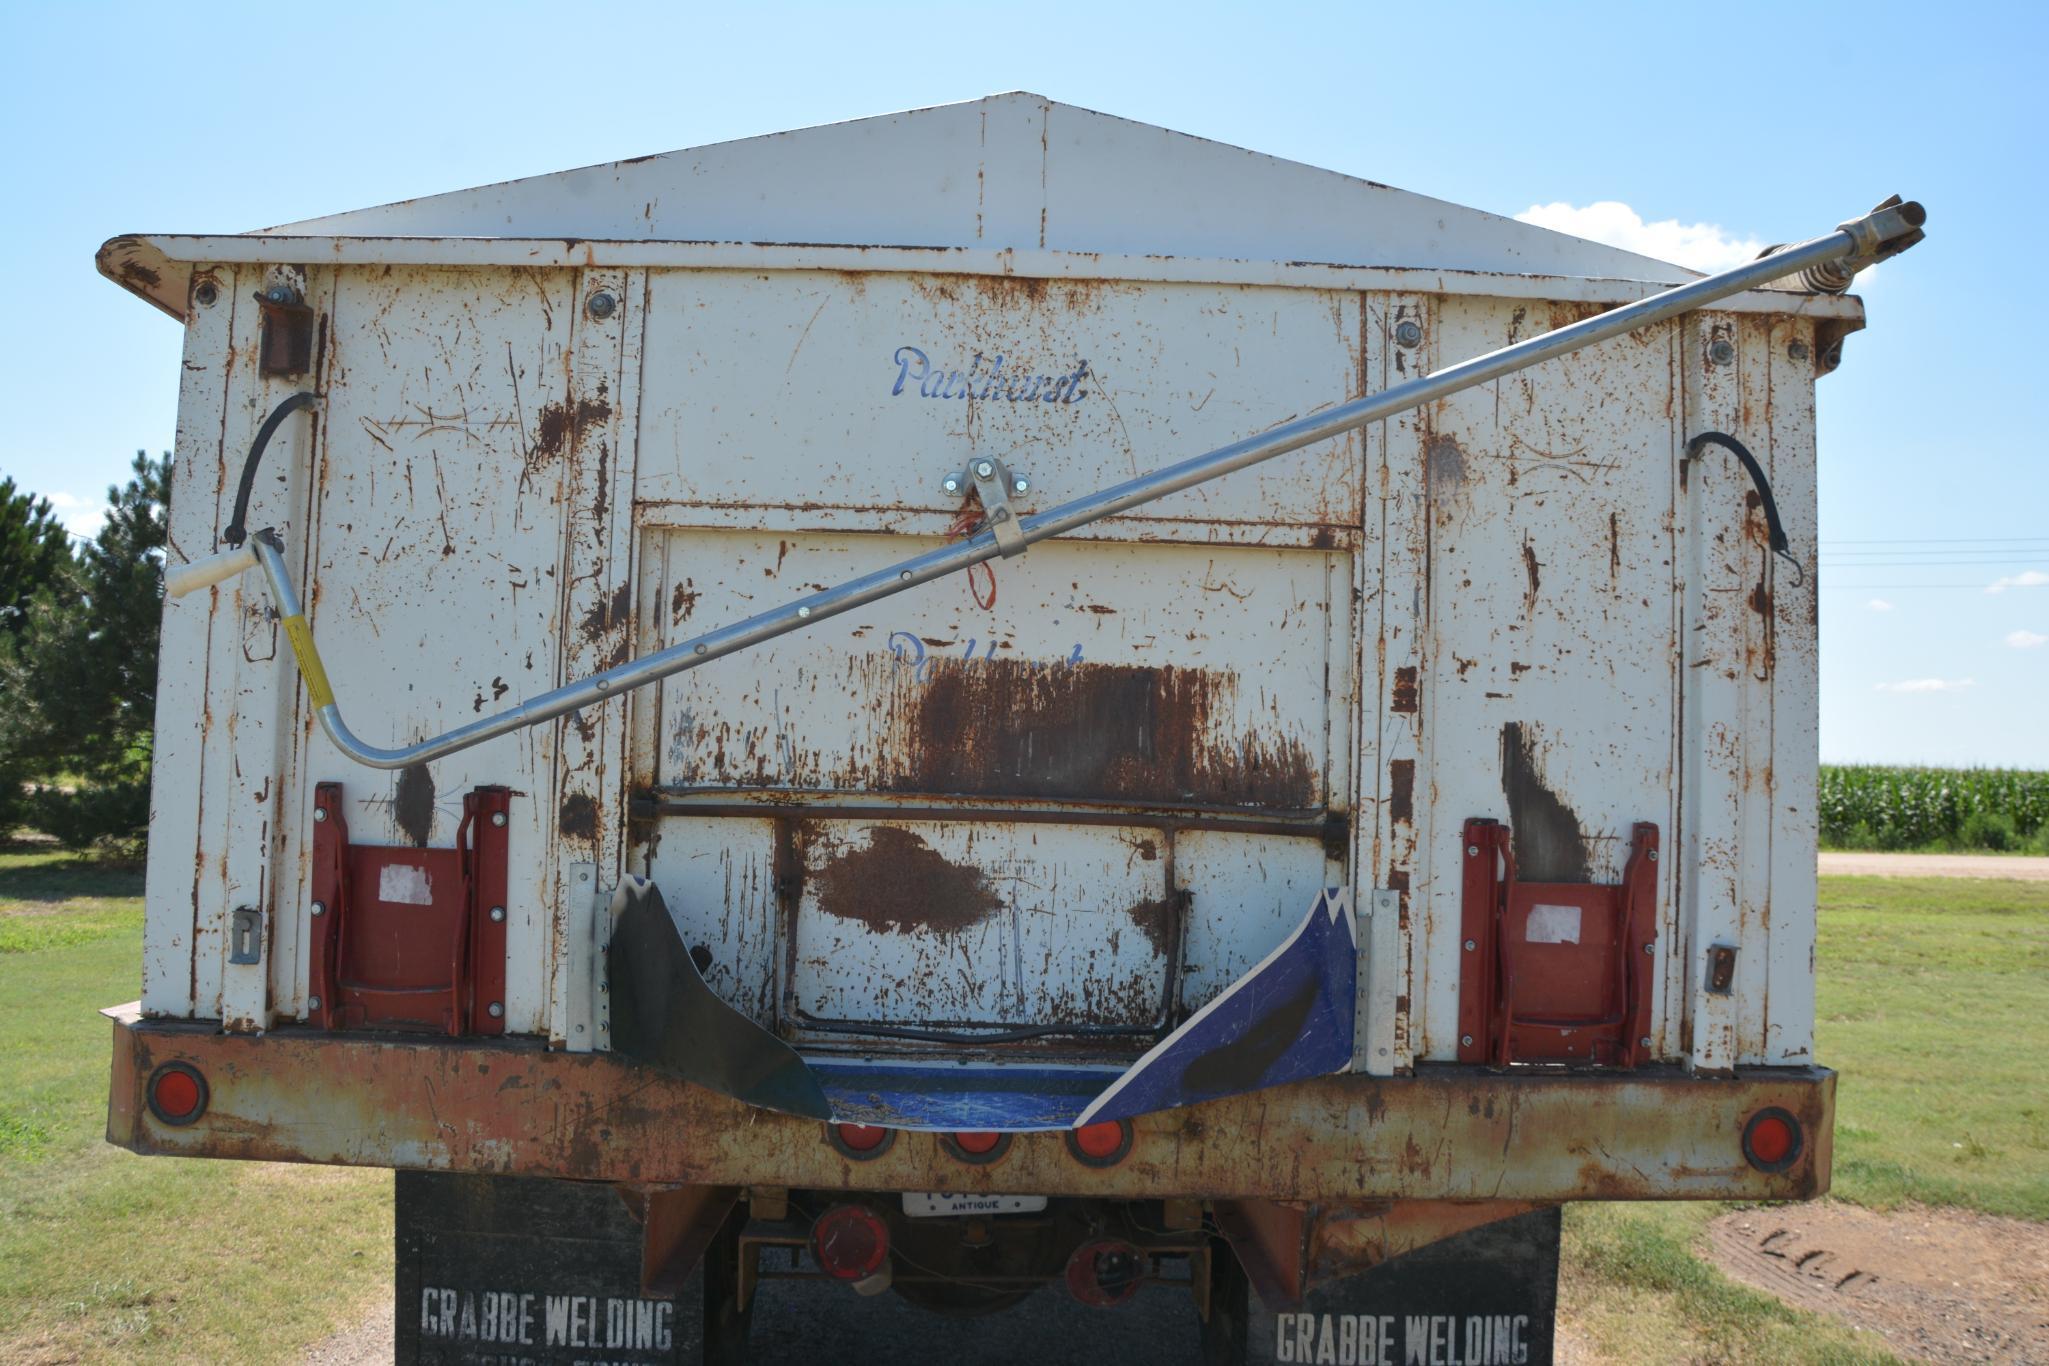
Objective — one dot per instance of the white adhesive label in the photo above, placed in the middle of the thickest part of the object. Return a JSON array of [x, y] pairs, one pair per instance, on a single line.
[[404, 885], [1553, 925]]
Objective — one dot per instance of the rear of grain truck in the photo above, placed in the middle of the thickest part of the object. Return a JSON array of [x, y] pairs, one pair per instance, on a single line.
[[692, 726]]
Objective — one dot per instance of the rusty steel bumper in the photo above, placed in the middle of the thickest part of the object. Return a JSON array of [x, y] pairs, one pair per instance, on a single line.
[[511, 1106]]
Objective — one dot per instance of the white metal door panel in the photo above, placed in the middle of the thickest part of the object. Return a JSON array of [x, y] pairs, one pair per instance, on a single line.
[[1552, 626], [957, 922], [1246, 894], [773, 395], [437, 585]]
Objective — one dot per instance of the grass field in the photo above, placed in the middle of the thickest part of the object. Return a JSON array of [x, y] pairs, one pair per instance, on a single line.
[[1931, 1005]]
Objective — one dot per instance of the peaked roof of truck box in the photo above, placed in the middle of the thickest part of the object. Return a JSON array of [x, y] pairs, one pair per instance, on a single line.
[[1010, 184]]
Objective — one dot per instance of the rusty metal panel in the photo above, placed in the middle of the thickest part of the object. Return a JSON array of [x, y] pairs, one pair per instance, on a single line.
[[449, 444], [776, 394], [1548, 702], [1447, 1133]]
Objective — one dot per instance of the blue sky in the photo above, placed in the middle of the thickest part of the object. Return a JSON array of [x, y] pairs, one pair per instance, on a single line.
[[1712, 125]]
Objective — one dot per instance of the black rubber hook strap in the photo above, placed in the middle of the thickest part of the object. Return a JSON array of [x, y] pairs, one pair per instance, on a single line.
[[1775, 528], [238, 529]]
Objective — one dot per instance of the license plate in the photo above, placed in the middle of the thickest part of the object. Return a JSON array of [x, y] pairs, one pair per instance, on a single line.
[[936, 1204]]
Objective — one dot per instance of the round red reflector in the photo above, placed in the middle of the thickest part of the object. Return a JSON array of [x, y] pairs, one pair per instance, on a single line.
[[850, 1241], [1105, 1272], [1101, 1145], [177, 1093], [1771, 1141], [861, 1138], [977, 1144]]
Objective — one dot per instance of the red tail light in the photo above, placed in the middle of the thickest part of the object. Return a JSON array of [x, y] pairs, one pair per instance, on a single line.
[[1105, 1272], [977, 1147], [1772, 1140], [177, 1093], [851, 1242], [1100, 1145], [862, 1142]]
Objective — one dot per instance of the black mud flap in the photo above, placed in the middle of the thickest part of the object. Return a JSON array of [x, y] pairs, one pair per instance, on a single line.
[[666, 1015], [1488, 1297], [497, 1270]]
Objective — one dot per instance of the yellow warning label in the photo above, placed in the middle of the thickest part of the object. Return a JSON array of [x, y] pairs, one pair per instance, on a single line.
[[310, 667]]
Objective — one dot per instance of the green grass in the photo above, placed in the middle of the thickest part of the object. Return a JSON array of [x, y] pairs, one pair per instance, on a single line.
[[1933, 1006], [1974, 810], [106, 1256]]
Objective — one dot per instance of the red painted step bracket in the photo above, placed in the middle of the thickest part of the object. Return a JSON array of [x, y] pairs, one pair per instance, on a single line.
[[1555, 972], [410, 938]]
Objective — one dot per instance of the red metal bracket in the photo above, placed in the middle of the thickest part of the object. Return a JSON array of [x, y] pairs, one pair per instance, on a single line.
[[1555, 972], [410, 938]]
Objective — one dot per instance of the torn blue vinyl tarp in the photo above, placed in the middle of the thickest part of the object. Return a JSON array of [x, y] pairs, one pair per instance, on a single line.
[[1287, 1019]]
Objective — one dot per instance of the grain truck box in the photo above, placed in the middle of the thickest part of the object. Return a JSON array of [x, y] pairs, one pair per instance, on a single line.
[[987, 696]]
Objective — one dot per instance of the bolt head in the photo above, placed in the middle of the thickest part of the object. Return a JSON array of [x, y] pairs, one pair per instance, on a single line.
[[281, 294], [601, 305], [1653, 855], [803, 611], [1408, 334], [1465, 1041], [320, 908], [703, 649], [498, 818], [207, 294], [984, 468], [312, 1003], [1650, 948], [604, 987], [1645, 1041], [1722, 351], [495, 1010], [1470, 946], [1797, 350], [952, 484], [498, 915], [1020, 485], [319, 814], [1472, 851]]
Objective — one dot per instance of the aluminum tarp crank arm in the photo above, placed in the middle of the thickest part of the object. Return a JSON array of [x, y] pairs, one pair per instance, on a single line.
[[1884, 232]]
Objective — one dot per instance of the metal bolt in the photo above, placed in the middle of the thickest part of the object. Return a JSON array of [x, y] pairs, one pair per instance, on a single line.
[[1645, 1041], [905, 576], [498, 915], [1797, 350], [1650, 948], [1470, 946], [601, 305], [984, 469], [1722, 351], [312, 1003], [1472, 851], [604, 685], [1653, 855], [604, 987], [1408, 334], [496, 1011], [1465, 1041], [319, 814], [803, 611], [604, 1028], [702, 648], [579, 1029], [207, 294], [1020, 485], [281, 294], [952, 484], [320, 908], [498, 818]]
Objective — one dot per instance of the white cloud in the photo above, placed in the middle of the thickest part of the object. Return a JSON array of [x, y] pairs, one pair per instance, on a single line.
[[1700, 246], [2026, 640], [1879, 605], [1927, 685], [81, 516], [2027, 578]]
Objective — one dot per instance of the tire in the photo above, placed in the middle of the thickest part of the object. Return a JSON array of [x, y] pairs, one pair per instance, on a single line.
[[1224, 1333]]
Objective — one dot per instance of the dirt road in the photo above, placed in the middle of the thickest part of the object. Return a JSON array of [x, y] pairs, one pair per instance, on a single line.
[[1935, 865]]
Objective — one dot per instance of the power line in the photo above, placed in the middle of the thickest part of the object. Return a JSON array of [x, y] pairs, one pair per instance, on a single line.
[[1935, 540]]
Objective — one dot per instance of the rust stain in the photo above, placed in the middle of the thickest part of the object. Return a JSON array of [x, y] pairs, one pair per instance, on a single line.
[[412, 805], [1405, 690], [136, 273], [1530, 568], [1155, 920], [1548, 841], [898, 883], [578, 816], [1401, 790], [1025, 728], [684, 601]]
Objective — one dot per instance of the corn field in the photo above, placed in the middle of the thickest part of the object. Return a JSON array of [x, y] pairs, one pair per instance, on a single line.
[[1868, 806]]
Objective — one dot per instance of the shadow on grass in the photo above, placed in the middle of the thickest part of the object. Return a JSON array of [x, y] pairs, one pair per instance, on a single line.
[[41, 872]]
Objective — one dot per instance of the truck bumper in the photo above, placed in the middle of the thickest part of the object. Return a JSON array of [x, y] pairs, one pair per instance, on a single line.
[[511, 1106]]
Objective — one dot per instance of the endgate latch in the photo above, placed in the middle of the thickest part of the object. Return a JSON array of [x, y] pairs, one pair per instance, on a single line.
[[410, 938], [1555, 972]]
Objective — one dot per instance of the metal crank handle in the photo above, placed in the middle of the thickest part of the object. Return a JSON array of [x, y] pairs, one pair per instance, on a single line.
[[198, 574], [1892, 227]]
